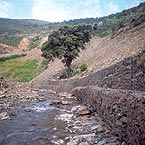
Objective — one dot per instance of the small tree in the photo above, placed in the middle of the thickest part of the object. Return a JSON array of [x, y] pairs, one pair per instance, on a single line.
[[66, 42]]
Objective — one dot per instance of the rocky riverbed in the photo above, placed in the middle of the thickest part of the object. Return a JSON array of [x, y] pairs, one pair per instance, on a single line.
[[41, 117]]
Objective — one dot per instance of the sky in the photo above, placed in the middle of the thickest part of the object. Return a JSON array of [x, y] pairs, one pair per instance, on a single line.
[[60, 10]]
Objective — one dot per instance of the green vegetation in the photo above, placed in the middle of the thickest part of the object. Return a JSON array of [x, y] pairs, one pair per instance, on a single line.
[[11, 57], [83, 67], [103, 25], [113, 22], [74, 82], [11, 40], [33, 45], [66, 42], [68, 73], [25, 26], [20, 71], [34, 42]]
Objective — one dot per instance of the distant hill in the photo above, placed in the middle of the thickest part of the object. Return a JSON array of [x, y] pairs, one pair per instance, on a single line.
[[13, 26], [108, 24], [102, 25], [12, 31]]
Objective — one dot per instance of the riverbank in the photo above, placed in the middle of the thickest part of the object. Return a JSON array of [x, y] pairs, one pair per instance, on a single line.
[[38, 116]]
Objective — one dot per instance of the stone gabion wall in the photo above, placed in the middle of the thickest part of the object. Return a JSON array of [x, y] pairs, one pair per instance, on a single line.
[[123, 111]]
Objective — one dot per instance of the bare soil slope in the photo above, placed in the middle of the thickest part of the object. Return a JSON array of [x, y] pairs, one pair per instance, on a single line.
[[24, 44], [4, 49], [101, 53], [10, 50], [35, 53]]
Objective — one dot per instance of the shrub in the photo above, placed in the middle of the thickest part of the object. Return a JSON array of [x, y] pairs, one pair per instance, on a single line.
[[34, 41], [11, 57], [83, 67], [11, 40], [68, 73], [74, 82]]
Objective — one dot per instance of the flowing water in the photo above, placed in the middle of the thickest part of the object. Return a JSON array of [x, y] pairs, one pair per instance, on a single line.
[[34, 124]]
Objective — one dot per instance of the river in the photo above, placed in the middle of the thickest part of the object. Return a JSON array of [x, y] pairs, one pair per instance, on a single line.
[[35, 123]]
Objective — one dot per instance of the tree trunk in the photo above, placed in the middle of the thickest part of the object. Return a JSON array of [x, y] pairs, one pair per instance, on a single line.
[[68, 63]]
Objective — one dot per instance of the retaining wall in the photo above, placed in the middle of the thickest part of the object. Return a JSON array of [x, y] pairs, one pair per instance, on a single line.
[[123, 111]]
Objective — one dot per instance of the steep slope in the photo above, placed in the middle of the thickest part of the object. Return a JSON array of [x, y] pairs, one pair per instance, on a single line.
[[24, 44], [34, 53], [102, 53], [128, 74], [5, 48], [23, 48]]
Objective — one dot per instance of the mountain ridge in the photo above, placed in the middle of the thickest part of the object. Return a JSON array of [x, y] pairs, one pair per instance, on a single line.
[[14, 26]]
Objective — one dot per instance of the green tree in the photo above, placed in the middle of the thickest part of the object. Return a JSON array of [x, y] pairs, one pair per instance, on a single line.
[[66, 42]]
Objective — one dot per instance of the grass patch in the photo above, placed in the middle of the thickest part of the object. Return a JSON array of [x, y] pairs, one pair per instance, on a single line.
[[33, 45], [83, 67], [74, 82], [35, 41], [20, 71]]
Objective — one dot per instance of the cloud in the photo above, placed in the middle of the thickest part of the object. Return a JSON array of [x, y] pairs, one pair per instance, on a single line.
[[111, 8], [86, 9], [135, 2], [5, 8], [59, 10], [48, 10]]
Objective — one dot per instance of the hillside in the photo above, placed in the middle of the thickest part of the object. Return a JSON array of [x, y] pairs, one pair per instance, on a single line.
[[24, 26], [5, 48], [125, 38], [113, 84], [101, 53], [15, 32], [108, 23], [102, 105]]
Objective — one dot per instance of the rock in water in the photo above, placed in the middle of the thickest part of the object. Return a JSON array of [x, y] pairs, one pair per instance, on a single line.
[[4, 115], [84, 112]]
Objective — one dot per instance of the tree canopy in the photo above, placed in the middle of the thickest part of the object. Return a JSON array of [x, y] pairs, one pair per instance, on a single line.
[[66, 42]]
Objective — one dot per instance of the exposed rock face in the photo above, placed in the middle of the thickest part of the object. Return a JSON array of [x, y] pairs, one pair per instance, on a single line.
[[122, 110]]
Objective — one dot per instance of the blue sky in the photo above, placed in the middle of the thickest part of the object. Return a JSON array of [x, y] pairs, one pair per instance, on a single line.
[[60, 10]]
